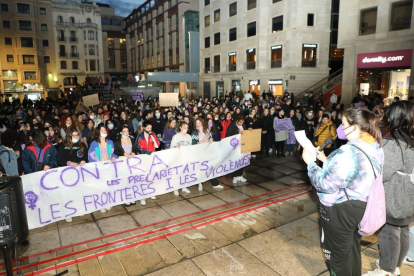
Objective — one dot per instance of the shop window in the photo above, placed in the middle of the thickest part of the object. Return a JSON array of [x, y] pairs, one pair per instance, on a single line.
[[6, 24], [4, 7], [23, 8], [277, 24], [30, 75], [28, 59], [42, 11], [27, 42], [216, 38], [368, 21], [251, 4], [46, 59], [251, 29], [401, 15], [233, 34], [25, 25], [207, 21], [233, 9], [217, 15], [311, 18], [10, 58], [309, 55], [8, 41]]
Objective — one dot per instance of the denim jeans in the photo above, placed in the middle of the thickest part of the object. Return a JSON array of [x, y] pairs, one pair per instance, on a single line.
[[393, 242], [411, 248], [290, 147]]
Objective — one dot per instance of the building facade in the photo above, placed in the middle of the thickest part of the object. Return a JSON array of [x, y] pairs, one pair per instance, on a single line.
[[27, 57], [77, 34], [256, 45], [156, 35], [378, 38]]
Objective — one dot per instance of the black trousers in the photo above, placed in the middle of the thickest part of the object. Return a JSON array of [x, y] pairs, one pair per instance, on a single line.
[[340, 239], [281, 147], [238, 173], [266, 142], [214, 182]]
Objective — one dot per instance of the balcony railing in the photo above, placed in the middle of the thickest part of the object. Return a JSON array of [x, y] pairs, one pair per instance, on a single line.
[[277, 63], [367, 30], [61, 54], [207, 70], [231, 67], [216, 68], [74, 55], [73, 39], [400, 24], [70, 24], [309, 63], [61, 38], [251, 65]]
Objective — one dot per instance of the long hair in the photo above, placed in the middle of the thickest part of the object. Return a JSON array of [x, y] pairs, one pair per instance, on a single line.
[[63, 121], [168, 125], [401, 120], [97, 133], [39, 138], [9, 138], [366, 120], [205, 129], [68, 140]]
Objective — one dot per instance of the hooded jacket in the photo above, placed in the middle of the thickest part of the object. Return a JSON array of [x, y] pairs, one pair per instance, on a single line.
[[30, 158], [324, 131]]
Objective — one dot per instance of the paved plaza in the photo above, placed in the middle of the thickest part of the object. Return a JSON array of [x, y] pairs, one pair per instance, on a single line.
[[267, 226]]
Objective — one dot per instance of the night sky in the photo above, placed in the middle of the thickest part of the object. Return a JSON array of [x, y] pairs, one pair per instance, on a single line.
[[123, 7]]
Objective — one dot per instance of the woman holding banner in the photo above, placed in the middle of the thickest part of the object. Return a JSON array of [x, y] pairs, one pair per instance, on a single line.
[[237, 127], [281, 135]]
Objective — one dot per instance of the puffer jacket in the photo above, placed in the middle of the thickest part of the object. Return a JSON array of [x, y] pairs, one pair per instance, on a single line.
[[324, 131]]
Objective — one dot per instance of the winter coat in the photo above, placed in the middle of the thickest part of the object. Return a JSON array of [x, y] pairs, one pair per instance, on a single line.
[[145, 147], [119, 150], [324, 131], [280, 135], [30, 159], [95, 153], [225, 123]]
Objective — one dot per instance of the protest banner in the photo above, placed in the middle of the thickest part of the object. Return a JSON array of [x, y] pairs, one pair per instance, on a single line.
[[64, 192], [138, 96], [251, 141], [91, 100], [81, 107], [283, 124], [168, 99]]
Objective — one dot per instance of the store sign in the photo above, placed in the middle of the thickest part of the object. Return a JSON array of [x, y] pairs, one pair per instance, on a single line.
[[276, 47], [275, 82], [254, 82], [232, 54], [385, 59], [310, 45]]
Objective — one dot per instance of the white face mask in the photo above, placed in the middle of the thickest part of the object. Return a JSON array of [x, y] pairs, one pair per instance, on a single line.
[[68, 125], [75, 140], [124, 136], [103, 135], [92, 117]]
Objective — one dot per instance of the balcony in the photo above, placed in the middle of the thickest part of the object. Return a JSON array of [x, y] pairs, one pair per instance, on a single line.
[[81, 25], [207, 70], [73, 39], [277, 63], [309, 63], [231, 67], [61, 38], [74, 55], [64, 55], [251, 65], [216, 69]]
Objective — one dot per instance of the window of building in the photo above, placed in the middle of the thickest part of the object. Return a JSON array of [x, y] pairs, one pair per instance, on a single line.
[[63, 65], [217, 15], [89, 20], [124, 59], [276, 56], [216, 38], [25, 25], [4, 7], [92, 65], [232, 61], [207, 21], [251, 59], [111, 58], [216, 63], [46, 59], [62, 51], [10, 58], [23, 8], [28, 59], [91, 50], [207, 42], [337, 53], [26, 42], [251, 29], [75, 65], [401, 15], [275, 1], [86, 65], [8, 41], [251, 4], [233, 34], [233, 9], [6, 24], [309, 52], [368, 21], [45, 43], [206, 2], [311, 17], [30, 75], [42, 11], [91, 35], [277, 24], [43, 27]]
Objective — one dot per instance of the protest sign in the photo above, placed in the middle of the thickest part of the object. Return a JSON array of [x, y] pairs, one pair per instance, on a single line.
[[251, 141], [81, 107], [91, 100], [137, 96], [66, 192], [168, 99], [283, 124]]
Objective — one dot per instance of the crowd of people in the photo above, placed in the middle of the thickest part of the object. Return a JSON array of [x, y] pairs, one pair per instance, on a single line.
[[37, 136]]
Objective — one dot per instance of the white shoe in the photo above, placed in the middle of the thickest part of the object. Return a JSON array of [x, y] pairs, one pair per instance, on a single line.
[[185, 190], [68, 220], [143, 203], [408, 261], [127, 204], [219, 186], [200, 186], [253, 156], [103, 211], [397, 269], [270, 150], [378, 272], [235, 180], [242, 179], [109, 209], [176, 193], [153, 197]]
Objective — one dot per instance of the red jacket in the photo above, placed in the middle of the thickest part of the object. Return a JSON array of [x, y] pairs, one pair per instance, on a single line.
[[225, 125], [144, 147]]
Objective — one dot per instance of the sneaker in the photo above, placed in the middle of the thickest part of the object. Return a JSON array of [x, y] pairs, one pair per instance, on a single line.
[[200, 186], [253, 156], [176, 193], [408, 261], [291, 153], [143, 203], [185, 190], [108, 209], [103, 211], [378, 272], [153, 197], [235, 180], [242, 179], [219, 186], [68, 220], [397, 269], [127, 204]]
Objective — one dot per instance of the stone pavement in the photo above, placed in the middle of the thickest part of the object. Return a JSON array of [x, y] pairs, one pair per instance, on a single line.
[[267, 226]]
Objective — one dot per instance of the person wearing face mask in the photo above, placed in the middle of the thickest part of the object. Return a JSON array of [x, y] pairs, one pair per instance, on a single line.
[[65, 123], [343, 185], [87, 133], [309, 124], [158, 124], [169, 132], [280, 136], [95, 118], [266, 124], [112, 130]]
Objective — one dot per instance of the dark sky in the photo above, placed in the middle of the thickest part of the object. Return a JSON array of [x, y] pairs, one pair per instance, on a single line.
[[123, 7]]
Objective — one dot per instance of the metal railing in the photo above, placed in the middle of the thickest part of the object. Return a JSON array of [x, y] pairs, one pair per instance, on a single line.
[[309, 62], [277, 63], [250, 65], [324, 84], [207, 70], [231, 67], [61, 38], [367, 30], [74, 55], [216, 68], [400, 24], [70, 24], [63, 54], [73, 39]]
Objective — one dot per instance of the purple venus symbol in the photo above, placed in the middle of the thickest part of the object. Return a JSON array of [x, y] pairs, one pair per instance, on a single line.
[[234, 142], [30, 198]]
